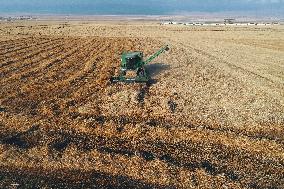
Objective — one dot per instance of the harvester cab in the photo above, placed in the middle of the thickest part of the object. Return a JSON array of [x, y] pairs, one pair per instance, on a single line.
[[133, 61]]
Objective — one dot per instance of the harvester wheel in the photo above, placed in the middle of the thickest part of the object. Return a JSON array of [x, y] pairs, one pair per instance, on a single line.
[[122, 73], [140, 72]]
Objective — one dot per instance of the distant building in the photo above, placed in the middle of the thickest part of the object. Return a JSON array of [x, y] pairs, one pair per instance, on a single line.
[[229, 20]]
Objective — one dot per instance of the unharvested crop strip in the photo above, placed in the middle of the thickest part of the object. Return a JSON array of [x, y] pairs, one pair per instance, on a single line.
[[103, 71], [52, 46], [62, 86], [38, 52], [86, 55]]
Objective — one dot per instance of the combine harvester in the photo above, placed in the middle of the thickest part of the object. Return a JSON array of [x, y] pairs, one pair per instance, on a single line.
[[133, 61]]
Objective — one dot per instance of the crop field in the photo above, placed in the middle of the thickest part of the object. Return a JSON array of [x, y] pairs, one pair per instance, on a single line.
[[212, 116]]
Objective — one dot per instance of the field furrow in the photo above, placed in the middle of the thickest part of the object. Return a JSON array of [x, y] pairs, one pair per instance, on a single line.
[[8, 43], [24, 63], [24, 49], [20, 43], [16, 60], [52, 52], [59, 72]]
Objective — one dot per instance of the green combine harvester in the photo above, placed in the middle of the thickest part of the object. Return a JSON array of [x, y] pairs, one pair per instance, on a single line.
[[133, 61]]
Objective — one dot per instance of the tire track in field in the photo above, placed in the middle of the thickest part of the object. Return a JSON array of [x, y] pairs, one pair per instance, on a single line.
[[41, 48], [231, 65], [269, 132]]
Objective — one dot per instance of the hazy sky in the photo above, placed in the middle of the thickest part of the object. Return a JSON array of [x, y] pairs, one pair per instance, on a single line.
[[139, 6]]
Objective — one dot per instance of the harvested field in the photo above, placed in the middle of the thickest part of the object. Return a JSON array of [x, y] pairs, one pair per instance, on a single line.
[[213, 116]]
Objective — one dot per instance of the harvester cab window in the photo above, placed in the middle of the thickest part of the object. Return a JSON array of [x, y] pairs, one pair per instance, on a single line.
[[130, 62]]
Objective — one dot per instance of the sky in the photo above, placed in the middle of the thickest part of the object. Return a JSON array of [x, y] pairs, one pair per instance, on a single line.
[[140, 7]]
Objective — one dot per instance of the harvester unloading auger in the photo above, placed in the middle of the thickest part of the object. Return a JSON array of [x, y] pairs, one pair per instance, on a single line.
[[133, 61]]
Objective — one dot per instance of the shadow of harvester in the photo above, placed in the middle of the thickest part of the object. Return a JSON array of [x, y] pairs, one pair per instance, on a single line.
[[156, 68]]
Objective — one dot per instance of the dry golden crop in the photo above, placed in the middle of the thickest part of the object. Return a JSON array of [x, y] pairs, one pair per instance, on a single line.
[[213, 116]]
